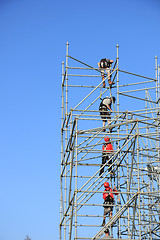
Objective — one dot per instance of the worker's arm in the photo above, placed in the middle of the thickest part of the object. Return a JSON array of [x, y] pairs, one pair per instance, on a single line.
[[109, 108], [115, 191], [104, 195], [99, 64]]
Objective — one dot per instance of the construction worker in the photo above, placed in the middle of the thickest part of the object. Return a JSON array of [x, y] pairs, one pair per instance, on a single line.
[[107, 151], [105, 65], [108, 200], [105, 109]]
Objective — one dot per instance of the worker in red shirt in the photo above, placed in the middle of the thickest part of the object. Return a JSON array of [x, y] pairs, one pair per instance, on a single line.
[[108, 197], [107, 151]]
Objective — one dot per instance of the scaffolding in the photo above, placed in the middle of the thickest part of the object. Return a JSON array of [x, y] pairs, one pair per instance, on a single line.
[[135, 158]]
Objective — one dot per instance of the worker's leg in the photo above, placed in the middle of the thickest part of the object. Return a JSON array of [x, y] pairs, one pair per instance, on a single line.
[[104, 217], [103, 77], [110, 214], [104, 84], [109, 163], [103, 113], [103, 162], [109, 77], [108, 117]]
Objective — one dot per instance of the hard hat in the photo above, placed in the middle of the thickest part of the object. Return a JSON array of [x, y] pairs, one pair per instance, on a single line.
[[107, 139], [106, 184]]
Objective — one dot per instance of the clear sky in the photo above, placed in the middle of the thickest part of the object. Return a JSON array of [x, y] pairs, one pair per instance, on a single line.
[[33, 36]]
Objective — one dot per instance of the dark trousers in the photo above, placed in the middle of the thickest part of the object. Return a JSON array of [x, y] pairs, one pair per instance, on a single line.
[[104, 160]]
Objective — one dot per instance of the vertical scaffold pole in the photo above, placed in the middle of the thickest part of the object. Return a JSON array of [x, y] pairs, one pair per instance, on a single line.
[[128, 174], [76, 179], [70, 185], [66, 138], [62, 119], [158, 117], [138, 179], [67, 78], [62, 116], [118, 146], [158, 114], [158, 82], [156, 70], [117, 79]]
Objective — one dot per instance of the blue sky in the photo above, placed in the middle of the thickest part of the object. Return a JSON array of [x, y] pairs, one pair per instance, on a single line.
[[33, 36]]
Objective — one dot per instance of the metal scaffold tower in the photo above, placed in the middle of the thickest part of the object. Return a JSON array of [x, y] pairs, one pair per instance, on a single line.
[[134, 165]]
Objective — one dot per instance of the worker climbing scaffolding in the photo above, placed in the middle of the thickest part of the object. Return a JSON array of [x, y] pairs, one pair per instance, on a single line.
[[105, 66], [105, 109], [107, 152], [108, 197]]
